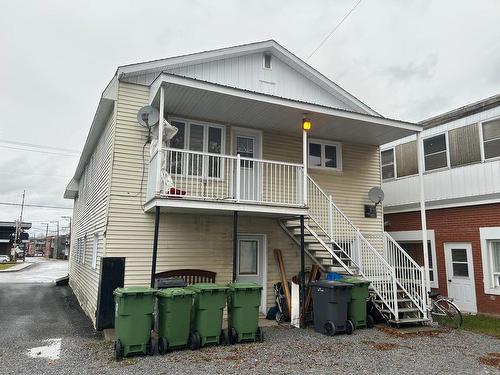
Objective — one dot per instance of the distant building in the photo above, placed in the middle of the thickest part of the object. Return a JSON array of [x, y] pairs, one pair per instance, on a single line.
[[8, 233]]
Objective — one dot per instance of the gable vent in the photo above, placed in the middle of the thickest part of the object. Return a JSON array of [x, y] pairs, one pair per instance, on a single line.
[[267, 61]]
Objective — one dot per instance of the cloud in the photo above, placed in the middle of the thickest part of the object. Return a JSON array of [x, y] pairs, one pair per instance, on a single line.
[[423, 69]]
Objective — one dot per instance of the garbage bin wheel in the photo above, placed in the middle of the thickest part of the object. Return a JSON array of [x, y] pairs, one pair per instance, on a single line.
[[149, 347], [260, 334], [162, 345], [194, 340], [329, 328], [118, 351], [224, 337], [233, 336], [370, 321], [349, 327]]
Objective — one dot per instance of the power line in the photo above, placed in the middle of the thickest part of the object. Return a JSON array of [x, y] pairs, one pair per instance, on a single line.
[[35, 174], [40, 151], [68, 150], [35, 205], [333, 30]]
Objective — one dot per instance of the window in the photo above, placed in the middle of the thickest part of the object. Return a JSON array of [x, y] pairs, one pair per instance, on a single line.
[[199, 137], [464, 145], [325, 155], [84, 248], [491, 139], [95, 244], [248, 257], [406, 159], [495, 258], [267, 61], [435, 152], [459, 262], [387, 164]]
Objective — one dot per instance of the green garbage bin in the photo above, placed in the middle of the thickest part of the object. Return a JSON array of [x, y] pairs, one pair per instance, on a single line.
[[206, 327], [174, 318], [134, 307], [243, 302], [356, 309]]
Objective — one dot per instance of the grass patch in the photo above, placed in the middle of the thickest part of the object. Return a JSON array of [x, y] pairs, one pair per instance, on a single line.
[[4, 266], [482, 324]]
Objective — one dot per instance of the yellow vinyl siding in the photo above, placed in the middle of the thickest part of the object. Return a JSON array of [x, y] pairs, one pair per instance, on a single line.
[[89, 218], [205, 241]]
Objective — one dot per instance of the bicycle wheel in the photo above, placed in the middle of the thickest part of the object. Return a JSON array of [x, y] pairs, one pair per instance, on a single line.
[[446, 313]]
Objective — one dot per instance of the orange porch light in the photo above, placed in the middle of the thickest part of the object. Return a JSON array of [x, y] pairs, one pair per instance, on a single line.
[[306, 124]]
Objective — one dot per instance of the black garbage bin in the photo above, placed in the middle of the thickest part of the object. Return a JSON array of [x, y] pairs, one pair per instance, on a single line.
[[330, 301]]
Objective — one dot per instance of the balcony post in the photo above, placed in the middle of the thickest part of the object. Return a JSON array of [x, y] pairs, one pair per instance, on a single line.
[[159, 154], [238, 177], [304, 172], [302, 273], [423, 217]]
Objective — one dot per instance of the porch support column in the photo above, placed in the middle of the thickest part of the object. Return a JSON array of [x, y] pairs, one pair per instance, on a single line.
[[155, 246], [423, 216], [304, 161], [302, 273], [235, 243], [159, 155]]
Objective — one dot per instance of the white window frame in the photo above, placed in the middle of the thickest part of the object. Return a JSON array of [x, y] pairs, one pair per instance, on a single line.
[[270, 61], [187, 131], [416, 236], [447, 152], [481, 140], [95, 246], [323, 143], [393, 164], [487, 235], [84, 248]]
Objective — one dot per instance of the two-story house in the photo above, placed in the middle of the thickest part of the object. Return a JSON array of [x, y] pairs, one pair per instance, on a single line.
[[462, 194], [268, 153]]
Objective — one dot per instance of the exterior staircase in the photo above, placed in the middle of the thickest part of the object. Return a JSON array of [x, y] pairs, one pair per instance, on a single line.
[[336, 245]]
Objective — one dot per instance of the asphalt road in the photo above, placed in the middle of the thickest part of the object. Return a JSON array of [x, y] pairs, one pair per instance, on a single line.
[[42, 271]]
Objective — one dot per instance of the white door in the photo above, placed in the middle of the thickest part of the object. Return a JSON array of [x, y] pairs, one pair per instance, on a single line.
[[247, 144], [251, 262], [460, 275]]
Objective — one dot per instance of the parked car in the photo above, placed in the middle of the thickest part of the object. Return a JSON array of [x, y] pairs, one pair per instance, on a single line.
[[4, 258]]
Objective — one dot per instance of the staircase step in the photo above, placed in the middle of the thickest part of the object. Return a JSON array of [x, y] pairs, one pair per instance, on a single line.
[[402, 310], [408, 320]]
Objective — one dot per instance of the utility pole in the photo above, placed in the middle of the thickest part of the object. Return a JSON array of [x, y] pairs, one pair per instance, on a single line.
[[46, 235], [69, 234], [18, 229], [21, 225], [56, 248]]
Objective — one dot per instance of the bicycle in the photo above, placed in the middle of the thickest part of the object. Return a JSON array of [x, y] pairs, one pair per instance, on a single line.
[[444, 311]]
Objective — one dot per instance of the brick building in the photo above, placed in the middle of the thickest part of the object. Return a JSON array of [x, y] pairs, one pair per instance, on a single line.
[[461, 156]]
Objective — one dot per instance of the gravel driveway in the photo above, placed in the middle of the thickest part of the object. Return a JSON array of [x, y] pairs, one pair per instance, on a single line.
[[285, 351]]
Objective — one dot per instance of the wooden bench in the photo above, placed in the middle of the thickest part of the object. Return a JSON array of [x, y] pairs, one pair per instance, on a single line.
[[190, 276]]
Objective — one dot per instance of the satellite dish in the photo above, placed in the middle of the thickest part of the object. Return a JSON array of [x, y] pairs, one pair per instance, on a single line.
[[376, 195], [148, 116]]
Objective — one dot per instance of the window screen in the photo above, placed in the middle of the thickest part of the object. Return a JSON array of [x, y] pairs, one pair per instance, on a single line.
[[464, 145], [435, 152], [406, 159], [387, 164], [491, 139]]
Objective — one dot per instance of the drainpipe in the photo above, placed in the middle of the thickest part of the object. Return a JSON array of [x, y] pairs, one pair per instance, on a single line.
[[423, 218], [235, 242], [155, 246]]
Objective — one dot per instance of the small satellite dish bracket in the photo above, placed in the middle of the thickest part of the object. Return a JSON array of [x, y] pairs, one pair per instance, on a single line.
[[376, 195]]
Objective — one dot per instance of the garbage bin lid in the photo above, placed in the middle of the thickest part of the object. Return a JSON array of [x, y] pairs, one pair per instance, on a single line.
[[131, 290], [356, 281], [331, 284], [174, 292], [202, 287], [244, 286]]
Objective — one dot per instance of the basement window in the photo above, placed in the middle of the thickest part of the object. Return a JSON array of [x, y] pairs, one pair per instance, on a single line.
[[267, 61]]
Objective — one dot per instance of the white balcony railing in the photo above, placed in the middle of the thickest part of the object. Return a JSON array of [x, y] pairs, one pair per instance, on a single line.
[[206, 176]]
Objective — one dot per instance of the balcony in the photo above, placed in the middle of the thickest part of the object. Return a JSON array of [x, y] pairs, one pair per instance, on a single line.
[[207, 181]]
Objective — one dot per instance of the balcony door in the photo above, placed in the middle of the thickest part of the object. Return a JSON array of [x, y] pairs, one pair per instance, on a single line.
[[247, 143]]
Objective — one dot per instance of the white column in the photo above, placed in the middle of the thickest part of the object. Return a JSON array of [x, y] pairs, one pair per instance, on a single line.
[[159, 154], [304, 160], [423, 217]]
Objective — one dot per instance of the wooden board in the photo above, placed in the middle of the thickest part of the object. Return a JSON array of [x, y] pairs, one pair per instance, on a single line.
[[284, 281]]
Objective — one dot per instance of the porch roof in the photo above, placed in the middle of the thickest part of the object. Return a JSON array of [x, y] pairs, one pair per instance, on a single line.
[[227, 105]]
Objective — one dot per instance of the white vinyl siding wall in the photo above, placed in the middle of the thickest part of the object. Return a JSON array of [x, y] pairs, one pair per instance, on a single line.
[[89, 219]]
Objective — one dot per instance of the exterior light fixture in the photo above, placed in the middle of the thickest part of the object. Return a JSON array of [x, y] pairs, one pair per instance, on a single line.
[[306, 124]]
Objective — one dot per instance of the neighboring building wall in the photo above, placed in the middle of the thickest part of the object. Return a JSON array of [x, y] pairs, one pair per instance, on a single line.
[[89, 218], [460, 224]]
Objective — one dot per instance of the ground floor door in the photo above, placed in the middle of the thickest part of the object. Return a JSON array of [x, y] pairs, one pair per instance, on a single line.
[[460, 275], [251, 262]]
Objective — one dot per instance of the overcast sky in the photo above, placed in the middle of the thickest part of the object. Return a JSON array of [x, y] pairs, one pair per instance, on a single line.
[[406, 59]]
